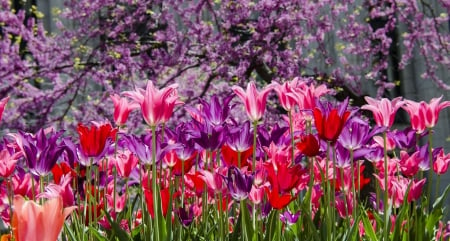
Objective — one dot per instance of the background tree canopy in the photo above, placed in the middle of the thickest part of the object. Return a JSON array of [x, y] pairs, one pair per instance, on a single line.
[[61, 66]]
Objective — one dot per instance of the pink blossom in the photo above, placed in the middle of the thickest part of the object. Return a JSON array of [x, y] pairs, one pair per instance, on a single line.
[[122, 109], [383, 110], [7, 163], [430, 112], [256, 195], [286, 94], [409, 164], [156, 105], [417, 122], [2, 105], [441, 163], [254, 101], [125, 162]]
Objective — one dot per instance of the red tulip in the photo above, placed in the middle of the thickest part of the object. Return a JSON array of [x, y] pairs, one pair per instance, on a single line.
[[329, 125], [93, 140], [230, 157], [165, 194], [308, 145]]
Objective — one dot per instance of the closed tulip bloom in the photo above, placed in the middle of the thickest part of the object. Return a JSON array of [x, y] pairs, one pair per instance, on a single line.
[[254, 101], [383, 110], [2, 105], [122, 109], [440, 165], [34, 222]]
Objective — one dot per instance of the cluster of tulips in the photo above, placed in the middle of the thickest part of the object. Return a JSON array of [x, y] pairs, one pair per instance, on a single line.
[[323, 172]]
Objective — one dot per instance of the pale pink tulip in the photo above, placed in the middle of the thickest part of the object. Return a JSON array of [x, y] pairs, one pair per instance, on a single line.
[[156, 105], [254, 101], [2, 105], [383, 110], [440, 165], [122, 109], [33, 222], [256, 195]]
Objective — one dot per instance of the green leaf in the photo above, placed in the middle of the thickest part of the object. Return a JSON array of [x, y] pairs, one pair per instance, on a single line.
[[246, 220], [97, 235], [368, 227], [117, 231], [436, 213], [272, 225]]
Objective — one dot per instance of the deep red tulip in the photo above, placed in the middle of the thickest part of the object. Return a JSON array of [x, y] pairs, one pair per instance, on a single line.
[[165, 194], [230, 157], [308, 145], [276, 200], [329, 126], [60, 170], [93, 140]]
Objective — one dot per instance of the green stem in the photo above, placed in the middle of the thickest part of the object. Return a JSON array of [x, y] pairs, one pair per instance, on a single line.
[[327, 195], [430, 171], [255, 124], [352, 176], [291, 130], [386, 193], [155, 192]]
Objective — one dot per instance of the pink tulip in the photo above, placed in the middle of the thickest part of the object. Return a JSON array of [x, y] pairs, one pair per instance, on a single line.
[[441, 163], [32, 221], [409, 165], [63, 190], [308, 95], [156, 105], [383, 110], [254, 101], [430, 112], [256, 195], [417, 122], [122, 109], [2, 105], [125, 162], [7, 163], [286, 93]]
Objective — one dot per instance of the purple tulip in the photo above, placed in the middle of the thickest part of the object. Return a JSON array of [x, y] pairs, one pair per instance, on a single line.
[[142, 147], [186, 217], [275, 135], [356, 134], [41, 152], [240, 138], [209, 137], [214, 113], [288, 217], [238, 183]]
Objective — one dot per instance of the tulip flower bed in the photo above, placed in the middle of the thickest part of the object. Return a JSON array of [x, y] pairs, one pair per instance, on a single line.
[[322, 173]]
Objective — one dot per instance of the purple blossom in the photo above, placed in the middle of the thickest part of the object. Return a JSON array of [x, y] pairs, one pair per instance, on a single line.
[[41, 151], [289, 218], [239, 184], [240, 138]]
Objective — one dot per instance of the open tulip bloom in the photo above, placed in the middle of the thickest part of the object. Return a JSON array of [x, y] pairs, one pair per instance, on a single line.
[[327, 173]]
